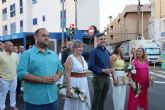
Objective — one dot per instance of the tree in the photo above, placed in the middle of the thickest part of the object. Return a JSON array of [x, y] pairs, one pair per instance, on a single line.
[[110, 18]]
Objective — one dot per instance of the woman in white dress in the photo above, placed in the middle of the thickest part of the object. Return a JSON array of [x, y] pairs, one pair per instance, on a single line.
[[119, 87], [76, 77]]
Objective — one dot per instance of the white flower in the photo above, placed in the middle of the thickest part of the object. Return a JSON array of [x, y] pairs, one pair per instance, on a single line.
[[83, 98], [62, 92], [75, 93], [133, 71], [129, 66]]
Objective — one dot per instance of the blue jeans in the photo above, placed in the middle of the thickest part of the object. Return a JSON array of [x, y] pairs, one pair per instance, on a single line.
[[51, 106]]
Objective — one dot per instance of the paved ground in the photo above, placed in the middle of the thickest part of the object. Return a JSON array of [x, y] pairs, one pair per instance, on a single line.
[[156, 95]]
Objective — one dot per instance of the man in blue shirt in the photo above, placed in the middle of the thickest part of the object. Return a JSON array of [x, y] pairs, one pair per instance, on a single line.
[[40, 68], [99, 64]]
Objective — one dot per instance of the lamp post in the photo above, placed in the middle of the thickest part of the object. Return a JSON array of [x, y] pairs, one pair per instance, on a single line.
[[139, 7], [75, 14], [62, 23], [142, 21]]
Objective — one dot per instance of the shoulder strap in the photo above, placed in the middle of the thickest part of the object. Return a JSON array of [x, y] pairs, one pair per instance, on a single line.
[[115, 56]]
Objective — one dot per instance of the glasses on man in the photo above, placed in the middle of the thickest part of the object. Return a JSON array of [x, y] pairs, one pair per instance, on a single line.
[[102, 39], [44, 36]]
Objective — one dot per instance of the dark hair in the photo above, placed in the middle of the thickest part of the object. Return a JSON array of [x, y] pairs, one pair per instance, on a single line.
[[64, 47], [116, 50], [100, 34]]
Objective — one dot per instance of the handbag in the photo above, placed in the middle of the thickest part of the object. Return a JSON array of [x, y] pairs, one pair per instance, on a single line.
[[122, 80], [125, 80]]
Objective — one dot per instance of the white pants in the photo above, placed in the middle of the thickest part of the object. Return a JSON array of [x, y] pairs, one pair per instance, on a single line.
[[6, 86], [119, 93]]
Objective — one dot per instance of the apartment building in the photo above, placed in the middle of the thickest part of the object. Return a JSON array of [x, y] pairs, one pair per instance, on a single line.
[[20, 18], [157, 21], [129, 25]]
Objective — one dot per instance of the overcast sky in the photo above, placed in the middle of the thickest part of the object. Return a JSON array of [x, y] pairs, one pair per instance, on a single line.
[[112, 8]]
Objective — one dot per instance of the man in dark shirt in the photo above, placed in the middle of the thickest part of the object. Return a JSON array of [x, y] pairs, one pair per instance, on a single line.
[[66, 52], [99, 64]]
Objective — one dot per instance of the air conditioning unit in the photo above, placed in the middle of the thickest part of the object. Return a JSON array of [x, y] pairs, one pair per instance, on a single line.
[[140, 38]]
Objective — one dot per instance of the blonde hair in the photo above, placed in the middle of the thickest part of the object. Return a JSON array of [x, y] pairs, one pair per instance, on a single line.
[[144, 57], [77, 44]]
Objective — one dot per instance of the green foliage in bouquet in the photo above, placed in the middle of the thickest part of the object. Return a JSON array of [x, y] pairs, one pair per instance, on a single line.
[[136, 87], [75, 93], [130, 68]]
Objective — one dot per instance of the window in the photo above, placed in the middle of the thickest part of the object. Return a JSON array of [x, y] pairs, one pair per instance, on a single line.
[[35, 21], [4, 14], [12, 10], [5, 30], [21, 6], [13, 28], [3, 1], [152, 51], [62, 0], [111, 37], [163, 25], [163, 45], [43, 18], [64, 18], [21, 26], [34, 1]]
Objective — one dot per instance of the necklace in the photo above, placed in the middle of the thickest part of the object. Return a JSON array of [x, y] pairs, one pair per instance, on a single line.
[[141, 61], [80, 60]]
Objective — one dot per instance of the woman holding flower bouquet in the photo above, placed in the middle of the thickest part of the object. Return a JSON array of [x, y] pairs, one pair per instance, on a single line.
[[142, 77], [119, 86], [76, 77]]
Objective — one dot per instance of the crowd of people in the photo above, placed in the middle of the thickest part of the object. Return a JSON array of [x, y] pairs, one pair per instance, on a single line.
[[39, 69]]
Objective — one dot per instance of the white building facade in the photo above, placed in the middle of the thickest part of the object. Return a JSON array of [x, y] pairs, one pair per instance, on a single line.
[[157, 22], [28, 15]]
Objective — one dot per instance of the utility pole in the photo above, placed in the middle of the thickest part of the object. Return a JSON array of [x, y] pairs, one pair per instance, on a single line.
[[142, 21], [138, 19], [75, 14], [63, 23]]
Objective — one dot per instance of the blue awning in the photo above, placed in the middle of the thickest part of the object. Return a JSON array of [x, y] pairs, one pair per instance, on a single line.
[[12, 37], [57, 35], [80, 34], [53, 35]]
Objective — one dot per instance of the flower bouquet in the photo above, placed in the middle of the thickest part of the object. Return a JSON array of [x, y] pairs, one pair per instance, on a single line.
[[75, 93], [136, 87], [130, 68]]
